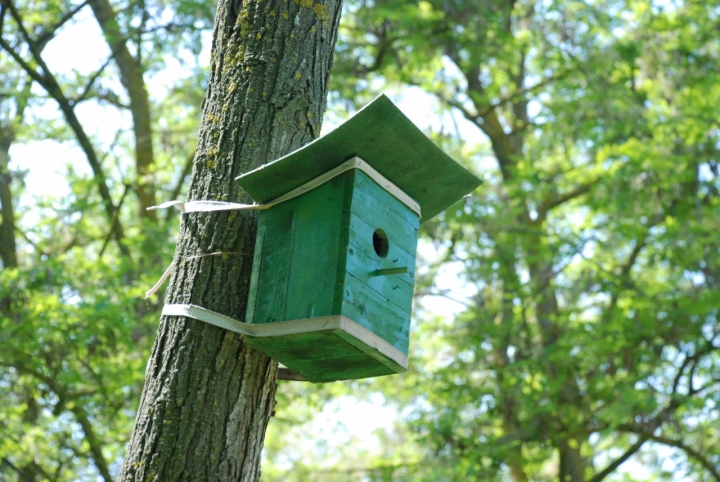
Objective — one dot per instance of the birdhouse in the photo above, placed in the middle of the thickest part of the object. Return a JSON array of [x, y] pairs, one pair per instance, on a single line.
[[334, 264]]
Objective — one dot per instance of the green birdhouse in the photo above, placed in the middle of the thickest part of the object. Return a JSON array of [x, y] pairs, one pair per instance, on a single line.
[[335, 253]]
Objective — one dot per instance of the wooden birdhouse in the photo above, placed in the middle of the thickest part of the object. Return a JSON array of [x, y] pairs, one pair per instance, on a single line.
[[335, 254]]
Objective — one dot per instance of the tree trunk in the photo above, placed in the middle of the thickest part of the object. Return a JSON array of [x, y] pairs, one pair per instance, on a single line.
[[207, 398], [131, 76], [8, 249], [572, 464], [8, 133]]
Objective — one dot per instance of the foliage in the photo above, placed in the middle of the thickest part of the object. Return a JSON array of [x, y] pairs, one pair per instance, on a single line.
[[75, 333], [589, 337], [592, 249]]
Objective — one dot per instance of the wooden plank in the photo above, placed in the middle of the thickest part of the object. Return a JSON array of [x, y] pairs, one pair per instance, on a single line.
[[389, 271], [394, 287], [354, 163], [303, 346], [366, 340], [276, 334], [376, 313], [361, 228], [400, 225], [350, 371], [274, 268], [373, 353], [316, 251], [318, 356], [257, 262], [326, 355], [372, 203]]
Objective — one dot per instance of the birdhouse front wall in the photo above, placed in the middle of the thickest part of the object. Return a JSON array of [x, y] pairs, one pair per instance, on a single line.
[[322, 253], [381, 303]]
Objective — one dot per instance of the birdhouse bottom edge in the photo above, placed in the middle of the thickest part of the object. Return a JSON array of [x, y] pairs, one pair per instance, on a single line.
[[328, 348]]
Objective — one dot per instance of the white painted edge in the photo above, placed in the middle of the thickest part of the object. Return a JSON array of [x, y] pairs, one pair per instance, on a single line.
[[387, 185], [354, 163], [294, 327]]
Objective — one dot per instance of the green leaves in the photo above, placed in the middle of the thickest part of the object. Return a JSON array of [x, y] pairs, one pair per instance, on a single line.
[[75, 332], [593, 246], [70, 364], [590, 256]]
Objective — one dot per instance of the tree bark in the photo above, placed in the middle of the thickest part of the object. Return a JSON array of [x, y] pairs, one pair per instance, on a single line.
[[207, 398]]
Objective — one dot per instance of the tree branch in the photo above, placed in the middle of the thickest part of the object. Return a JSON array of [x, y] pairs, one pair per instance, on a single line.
[[691, 452], [20, 472], [114, 221], [90, 436], [47, 35], [50, 84], [521, 92], [694, 359], [131, 76], [187, 168], [556, 201], [619, 461], [34, 74], [92, 80], [181, 179], [80, 414]]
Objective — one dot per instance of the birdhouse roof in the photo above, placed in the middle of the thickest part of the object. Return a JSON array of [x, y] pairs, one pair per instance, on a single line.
[[382, 136]]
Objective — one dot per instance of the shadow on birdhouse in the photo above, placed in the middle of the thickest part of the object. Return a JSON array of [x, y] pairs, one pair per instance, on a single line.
[[334, 266]]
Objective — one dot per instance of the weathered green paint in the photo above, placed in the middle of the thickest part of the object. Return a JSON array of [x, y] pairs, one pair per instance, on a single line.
[[315, 257], [395, 288], [382, 136], [276, 267], [315, 253], [361, 252], [299, 251]]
